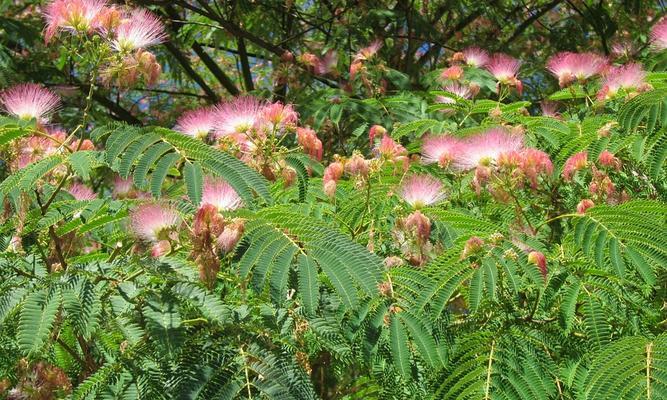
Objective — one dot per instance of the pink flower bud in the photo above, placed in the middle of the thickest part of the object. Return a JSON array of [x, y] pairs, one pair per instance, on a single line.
[[420, 225], [607, 159], [161, 248], [472, 246], [537, 258], [584, 205]]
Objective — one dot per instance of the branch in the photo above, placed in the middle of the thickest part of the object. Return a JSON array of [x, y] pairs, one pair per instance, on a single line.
[[185, 63], [525, 24], [245, 65]]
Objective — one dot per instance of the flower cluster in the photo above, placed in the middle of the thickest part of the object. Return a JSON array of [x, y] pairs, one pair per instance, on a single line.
[[601, 186], [128, 33], [254, 130]]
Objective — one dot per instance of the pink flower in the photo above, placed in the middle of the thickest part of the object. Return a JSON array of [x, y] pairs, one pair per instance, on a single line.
[[453, 73], [29, 100], [161, 248], [549, 108], [575, 163], [81, 192], [327, 64], [357, 165], [389, 148], [584, 205], [457, 89], [659, 35], [629, 76], [229, 237], [473, 245], [421, 190], [533, 163], [484, 148], [503, 67], [72, 15], [278, 117], [142, 29], [237, 116], [475, 57], [312, 145], [152, 222], [439, 149], [220, 194], [197, 123], [568, 67], [369, 51], [121, 187], [607, 159]]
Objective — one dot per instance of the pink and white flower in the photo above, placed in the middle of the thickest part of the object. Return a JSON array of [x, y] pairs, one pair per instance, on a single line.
[[29, 100], [142, 29], [439, 149], [659, 35], [197, 123], [568, 67], [278, 117], [503, 67], [237, 116], [121, 187], [421, 190], [475, 57], [72, 15], [485, 148], [152, 222], [457, 89], [626, 77], [220, 194], [81, 192]]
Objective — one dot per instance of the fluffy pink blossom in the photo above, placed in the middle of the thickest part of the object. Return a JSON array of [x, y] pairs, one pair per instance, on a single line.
[[439, 149], [229, 237], [121, 187], [278, 117], [142, 29], [575, 163], [453, 73], [197, 123], [534, 163], [81, 192], [72, 15], [390, 148], [421, 190], [32, 149], [568, 67], [369, 51], [549, 108], [332, 173], [629, 76], [151, 222], [238, 115], [29, 100], [457, 89], [220, 194], [503, 67], [357, 165], [327, 64], [484, 148], [659, 35], [475, 57]]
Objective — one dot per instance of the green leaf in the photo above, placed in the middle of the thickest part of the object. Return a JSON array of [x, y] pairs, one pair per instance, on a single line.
[[399, 346], [37, 317], [194, 181]]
